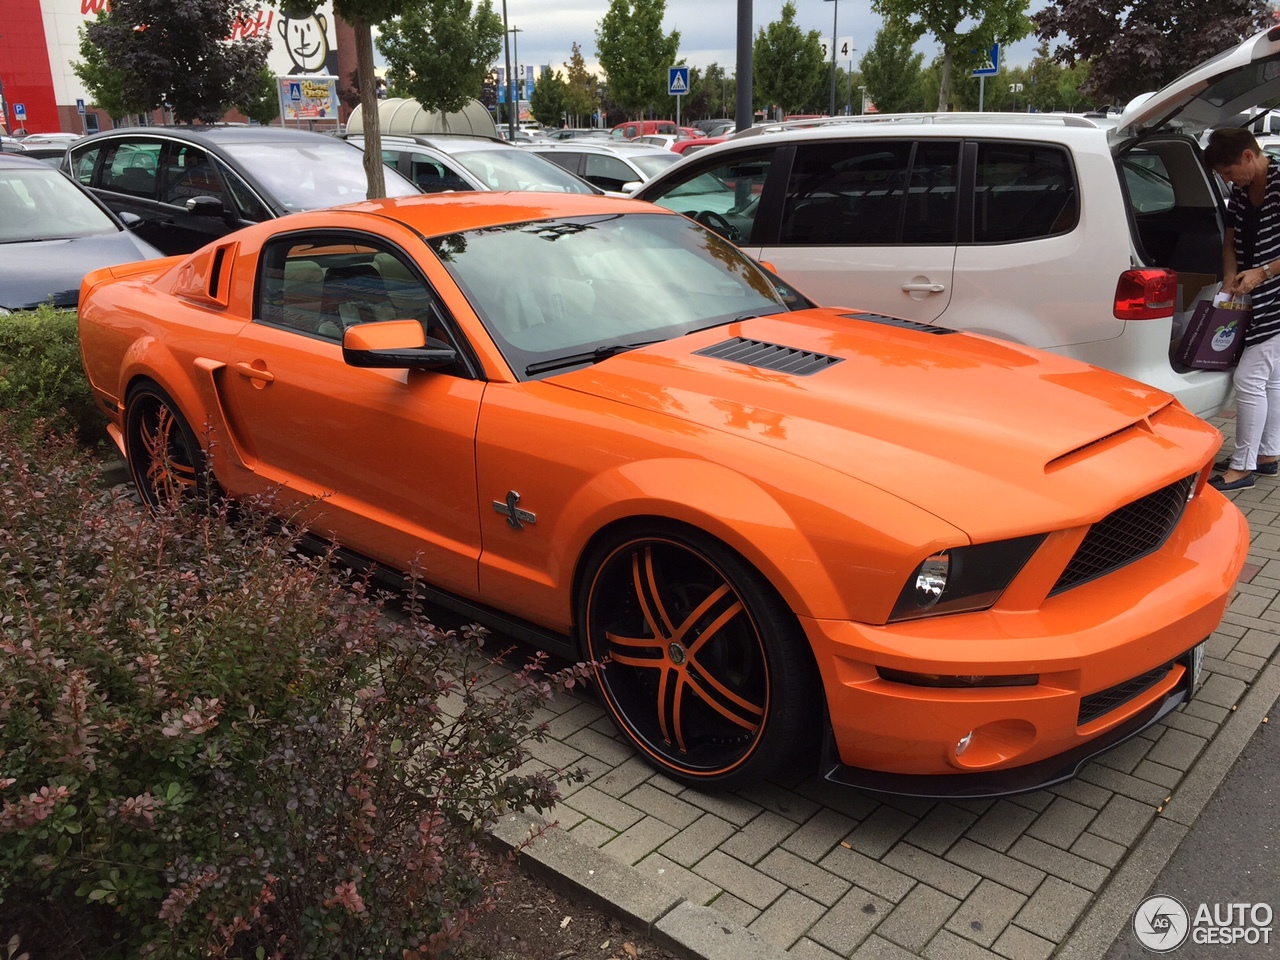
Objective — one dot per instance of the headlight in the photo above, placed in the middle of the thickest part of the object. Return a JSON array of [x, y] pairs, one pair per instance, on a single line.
[[963, 578]]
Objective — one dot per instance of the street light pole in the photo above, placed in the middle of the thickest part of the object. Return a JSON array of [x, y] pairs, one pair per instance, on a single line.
[[506, 37], [835, 21], [515, 46]]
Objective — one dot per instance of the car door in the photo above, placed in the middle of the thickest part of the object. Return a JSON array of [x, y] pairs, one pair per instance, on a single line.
[[187, 172], [127, 179], [385, 456], [871, 224]]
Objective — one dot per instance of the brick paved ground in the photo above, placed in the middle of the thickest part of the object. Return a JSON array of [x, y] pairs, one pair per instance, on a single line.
[[823, 872]]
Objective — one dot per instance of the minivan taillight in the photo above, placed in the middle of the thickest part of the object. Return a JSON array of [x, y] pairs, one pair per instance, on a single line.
[[1146, 294]]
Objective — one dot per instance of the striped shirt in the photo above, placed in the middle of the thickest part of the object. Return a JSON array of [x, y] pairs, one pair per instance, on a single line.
[[1266, 248]]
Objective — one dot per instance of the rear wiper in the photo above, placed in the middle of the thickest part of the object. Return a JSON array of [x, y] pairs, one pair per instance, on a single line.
[[574, 359]]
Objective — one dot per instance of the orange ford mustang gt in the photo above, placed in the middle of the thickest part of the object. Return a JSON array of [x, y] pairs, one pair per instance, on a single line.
[[938, 563]]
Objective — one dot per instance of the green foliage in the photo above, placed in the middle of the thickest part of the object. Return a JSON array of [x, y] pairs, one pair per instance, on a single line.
[[41, 376], [579, 89], [635, 55], [108, 85], [788, 67], [547, 102], [891, 71], [439, 51], [264, 104], [211, 744], [711, 93]]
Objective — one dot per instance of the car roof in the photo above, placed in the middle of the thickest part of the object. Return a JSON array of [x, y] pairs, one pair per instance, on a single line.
[[442, 141], [590, 144], [212, 133], [10, 161]]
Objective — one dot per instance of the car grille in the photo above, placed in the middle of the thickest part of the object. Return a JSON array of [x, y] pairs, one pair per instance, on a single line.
[[1126, 535], [1097, 704], [770, 356]]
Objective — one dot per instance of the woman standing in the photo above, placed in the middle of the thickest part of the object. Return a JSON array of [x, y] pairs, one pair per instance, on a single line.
[[1251, 264]]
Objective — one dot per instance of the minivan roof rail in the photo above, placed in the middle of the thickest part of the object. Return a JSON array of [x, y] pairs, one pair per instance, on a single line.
[[1046, 119]]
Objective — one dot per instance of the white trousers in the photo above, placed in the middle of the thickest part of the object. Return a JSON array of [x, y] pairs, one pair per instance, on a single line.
[[1257, 380]]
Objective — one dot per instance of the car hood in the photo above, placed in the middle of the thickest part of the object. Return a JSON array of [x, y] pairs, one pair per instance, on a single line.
[[1214, 94], [976, 430], [32, 273]]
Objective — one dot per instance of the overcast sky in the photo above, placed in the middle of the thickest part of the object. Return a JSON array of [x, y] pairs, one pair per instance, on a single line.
[[708, 28]]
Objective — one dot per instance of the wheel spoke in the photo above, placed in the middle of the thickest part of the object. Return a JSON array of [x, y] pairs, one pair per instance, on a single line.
[[651, 598]]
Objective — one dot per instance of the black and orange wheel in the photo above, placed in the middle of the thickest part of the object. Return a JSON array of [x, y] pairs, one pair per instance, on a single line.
[[164, 456], [706, 670]]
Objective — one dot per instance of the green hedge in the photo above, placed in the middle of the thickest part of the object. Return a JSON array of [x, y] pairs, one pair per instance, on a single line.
[[41, 376]]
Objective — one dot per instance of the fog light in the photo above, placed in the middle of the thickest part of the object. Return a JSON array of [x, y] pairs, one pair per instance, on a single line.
[[963, 745], [931, 579]]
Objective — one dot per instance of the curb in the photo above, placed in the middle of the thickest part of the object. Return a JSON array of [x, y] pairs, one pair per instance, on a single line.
[[1098, 929]]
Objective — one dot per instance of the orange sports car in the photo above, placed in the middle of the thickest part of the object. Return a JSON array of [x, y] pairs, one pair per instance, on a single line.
[[936, 563]]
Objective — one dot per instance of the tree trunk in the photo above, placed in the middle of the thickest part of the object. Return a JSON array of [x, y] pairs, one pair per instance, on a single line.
[[944, 88], [368, 83]]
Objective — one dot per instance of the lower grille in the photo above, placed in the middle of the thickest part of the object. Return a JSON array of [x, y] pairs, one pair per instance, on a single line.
[[1126, 535], [1098, 704]]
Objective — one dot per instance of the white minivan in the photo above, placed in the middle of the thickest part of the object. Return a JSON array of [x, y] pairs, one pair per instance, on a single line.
[[1088, 238]]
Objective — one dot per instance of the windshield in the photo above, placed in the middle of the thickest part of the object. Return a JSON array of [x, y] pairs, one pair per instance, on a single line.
[[511, 169], [552, 289], [654, 163], [42, 204], [312, 175]]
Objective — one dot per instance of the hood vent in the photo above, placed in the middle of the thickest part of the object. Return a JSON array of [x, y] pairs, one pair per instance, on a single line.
[[769, 356], [897, 322]]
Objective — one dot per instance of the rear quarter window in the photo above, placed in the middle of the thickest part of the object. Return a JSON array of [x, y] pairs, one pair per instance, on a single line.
[[1023, 191]]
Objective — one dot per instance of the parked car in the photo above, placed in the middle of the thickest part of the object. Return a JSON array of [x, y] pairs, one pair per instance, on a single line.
[[686, 147], [642, 128], [958, 565], [190, 185], [1093, 239], [439, 162], [53, 232], [569, 133], [609, 166]]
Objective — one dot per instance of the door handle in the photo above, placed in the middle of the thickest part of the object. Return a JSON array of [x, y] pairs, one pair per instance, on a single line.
[[923, 288], [254, 373]]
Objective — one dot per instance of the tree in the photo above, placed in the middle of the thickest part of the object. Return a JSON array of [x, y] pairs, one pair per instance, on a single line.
[[173, 54], [264, 105], [635, 54], [546, 103], [965, 29], [1137, 45], [787, 64], [108, 85], [891, 71], [711, 93], [579, 88], [439, 51]]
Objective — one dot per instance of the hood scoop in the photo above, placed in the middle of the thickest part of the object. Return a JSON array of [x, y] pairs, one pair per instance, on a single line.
[[769, 356], [898, 322]]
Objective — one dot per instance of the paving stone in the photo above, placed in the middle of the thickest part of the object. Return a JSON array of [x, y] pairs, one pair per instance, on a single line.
[[1062, 822], [806, 949], [869, 874], [1017, 944], [986, 912], [1052, 910], [604, 808], [580, 715], [1221, 691], [925, 867], [666, 785], [726, 806], [591, 769], [786, 919], [941, 827], [947, 946], [683, 881], [694, 842], [849, 922], [744, 882], [1166, 777], [1036, 801], [1098, 850], [880, 831], [1000, 826], [1144, 791], [703, 932], [1248, 662], [1059, 863], [658, 803], [554, 754], [914, 921], [758, 837], [975, 805], [1123, 820], [1230, 671], [854, 804], [1083, 792], [592, 833], [877, 948], [1177, 749], [623, 778], [639, 840], [736, 910], [915, 807], [1259, 643], [804, 877], [596, 744], [999, 867], [780, 800], [1125, 756], [818, 835], [1248, 604], [566, 818]]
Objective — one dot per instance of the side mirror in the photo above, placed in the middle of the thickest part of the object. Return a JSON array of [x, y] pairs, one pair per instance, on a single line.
[[131, 221], [395, 344], [630, 188], [205, 206], [769, 266]]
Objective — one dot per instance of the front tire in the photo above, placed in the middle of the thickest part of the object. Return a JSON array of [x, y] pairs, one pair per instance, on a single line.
[[708, 674], [164, 455]]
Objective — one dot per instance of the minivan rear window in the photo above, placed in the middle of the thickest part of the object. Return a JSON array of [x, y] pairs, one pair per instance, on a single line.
[[1023, 191]]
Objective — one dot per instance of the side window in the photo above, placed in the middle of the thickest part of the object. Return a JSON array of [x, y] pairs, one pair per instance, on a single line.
[[847, 192], [930, 215], [1148, 182], [130, 167], [1023, 191], [247, 204], [608, 173], [432, 176], [724, 197], [562, 158], [82, 165], [189, 172], [322, 285]]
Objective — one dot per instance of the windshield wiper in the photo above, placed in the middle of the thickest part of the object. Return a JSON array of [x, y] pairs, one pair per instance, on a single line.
[[593, 356]]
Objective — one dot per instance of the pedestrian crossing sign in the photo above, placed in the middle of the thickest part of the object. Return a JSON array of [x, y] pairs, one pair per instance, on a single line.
[[677, 81]]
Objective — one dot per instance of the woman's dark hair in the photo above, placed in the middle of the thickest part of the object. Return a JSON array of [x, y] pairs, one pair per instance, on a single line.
[[1227, 145]]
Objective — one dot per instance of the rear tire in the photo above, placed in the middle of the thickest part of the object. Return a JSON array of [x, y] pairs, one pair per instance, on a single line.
[[709, 675], [165, 458]]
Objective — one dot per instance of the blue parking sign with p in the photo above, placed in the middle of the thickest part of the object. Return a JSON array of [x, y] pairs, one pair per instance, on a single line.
[[677, 81], [20, 111]]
